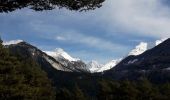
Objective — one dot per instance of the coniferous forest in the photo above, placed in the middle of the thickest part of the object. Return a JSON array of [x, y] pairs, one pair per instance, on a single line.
[[24, 79]]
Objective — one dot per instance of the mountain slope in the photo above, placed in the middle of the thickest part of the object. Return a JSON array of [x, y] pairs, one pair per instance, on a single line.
[[60, 54], [94, 66], [109, 65], [47, 62], [25, 50], [64, 58], [143, 46], [139, 49], [153, 64], [22, 79]]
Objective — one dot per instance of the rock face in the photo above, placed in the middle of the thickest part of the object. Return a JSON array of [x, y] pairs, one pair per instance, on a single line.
[[59, 53], [67, 60], [153, 64], [64, 58]]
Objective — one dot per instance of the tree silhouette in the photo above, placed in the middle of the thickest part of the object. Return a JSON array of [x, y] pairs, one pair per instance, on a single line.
[[39, 5]]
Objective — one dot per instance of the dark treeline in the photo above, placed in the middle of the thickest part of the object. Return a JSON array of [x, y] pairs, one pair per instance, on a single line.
[[124, 90], [22, 79]]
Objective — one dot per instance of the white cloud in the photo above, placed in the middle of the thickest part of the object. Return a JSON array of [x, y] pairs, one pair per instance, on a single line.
[[60, 38], [94, 42], [146, 17]]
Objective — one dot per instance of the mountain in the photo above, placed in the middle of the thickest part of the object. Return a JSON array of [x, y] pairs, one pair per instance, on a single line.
[[12, 42], [64, 58], [58, 56], [72, 64], [24, 49], [143, 46], [61, 54], [109, 65], [23, 79], [139, 49], [94, 66], [153, 64]]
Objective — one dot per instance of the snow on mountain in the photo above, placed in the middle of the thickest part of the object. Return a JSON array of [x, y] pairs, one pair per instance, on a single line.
[[109, 65], [94, 66], [61, 54], [139, 49], [12, 42], [160, 41], [143, 46]]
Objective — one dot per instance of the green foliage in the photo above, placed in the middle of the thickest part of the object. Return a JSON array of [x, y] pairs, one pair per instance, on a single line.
[[22, 79]]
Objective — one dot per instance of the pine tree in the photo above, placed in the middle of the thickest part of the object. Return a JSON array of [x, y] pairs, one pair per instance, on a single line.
[[22, 79], [78, 94]]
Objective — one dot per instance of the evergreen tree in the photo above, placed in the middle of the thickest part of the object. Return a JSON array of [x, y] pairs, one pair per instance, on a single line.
[[22, 79], [64, 94], [78, 94]]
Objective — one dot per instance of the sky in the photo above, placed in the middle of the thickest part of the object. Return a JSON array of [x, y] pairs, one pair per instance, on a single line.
[[104, 34]]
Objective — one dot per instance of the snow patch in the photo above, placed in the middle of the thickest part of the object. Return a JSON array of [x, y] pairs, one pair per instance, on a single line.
[[109, 65], [12, 42], [143, 46], [132, 61], [61, 54], [94, 66], [160, 41]]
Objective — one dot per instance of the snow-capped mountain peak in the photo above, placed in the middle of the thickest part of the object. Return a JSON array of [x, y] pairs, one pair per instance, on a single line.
[[12, 42], [109, 65], [94, 66], [157, 42], [143, 46], [94, 63], [59, 53], [139, 49]]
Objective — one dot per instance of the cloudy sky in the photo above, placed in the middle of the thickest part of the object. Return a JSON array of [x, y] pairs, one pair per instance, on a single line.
[[104, 34]]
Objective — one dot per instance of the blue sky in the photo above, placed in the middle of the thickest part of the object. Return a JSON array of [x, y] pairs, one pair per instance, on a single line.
[[104, 34]]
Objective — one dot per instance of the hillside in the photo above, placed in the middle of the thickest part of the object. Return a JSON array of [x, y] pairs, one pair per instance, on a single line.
[[22, 79]]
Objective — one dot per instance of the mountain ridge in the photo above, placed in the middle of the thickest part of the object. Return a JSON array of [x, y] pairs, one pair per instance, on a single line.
[[153, 64], [94, 67]]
